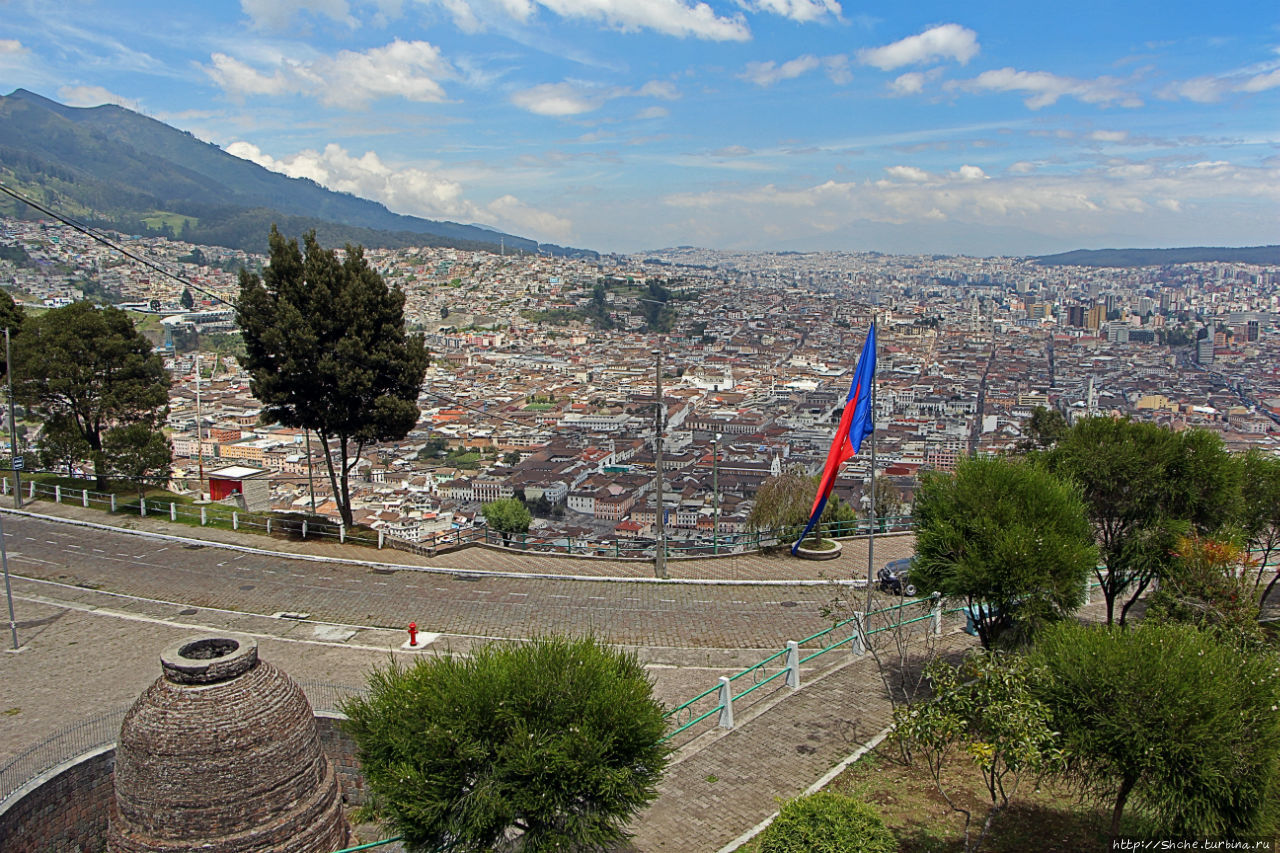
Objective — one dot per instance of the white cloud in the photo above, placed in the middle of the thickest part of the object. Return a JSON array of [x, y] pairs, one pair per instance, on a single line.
[[11, 47], [405, 69], [524, 219], [558, 99], [769, 73], [1057, 206], [1207, 90], [913, 82], [669, 17], [412, 190], [572, 98], [92, 96], [1022, 167], [1044, 88], [653, 112], [279, 14], [948, 41], [908, 173], [732, 151], [802, 11], [1109, 135]]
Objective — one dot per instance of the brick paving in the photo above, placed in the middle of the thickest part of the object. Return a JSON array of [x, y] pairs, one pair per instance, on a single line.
[[852, 562], [89, 649]]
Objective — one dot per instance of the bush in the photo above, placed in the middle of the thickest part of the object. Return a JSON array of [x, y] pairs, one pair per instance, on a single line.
[[1171, 719], [827, 823], [558, 739]]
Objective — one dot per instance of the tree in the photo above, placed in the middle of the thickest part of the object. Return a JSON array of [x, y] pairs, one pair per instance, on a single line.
[[188, 300], [827, 822], [1043, 429], [1260, 512], [1169, 717], [889, 503], [985, 708], [326, 350], [511, 457], [138, 454], [1208, 584], [11, 317], [1144, 486], [62, 443], [507, 516], [559, 739], [783, 504], [1009, 538], [87, 370]]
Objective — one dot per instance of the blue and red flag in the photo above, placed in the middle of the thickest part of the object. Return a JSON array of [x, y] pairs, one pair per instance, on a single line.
[[855, 424]]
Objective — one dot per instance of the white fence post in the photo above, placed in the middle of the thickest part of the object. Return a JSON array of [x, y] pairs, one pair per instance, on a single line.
[[858, 642], [173, 511], [793, 664], [342, 533], [4, 485], [203, 518], [381, 539], [57, 494], [84, 497], [31, 492], [268, 527], [936, 612], [304, 528], [113, 502], [235, 520], [726, 703], [142, 507]]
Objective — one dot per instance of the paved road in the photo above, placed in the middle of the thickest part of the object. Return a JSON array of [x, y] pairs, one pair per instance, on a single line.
[[675, 615]]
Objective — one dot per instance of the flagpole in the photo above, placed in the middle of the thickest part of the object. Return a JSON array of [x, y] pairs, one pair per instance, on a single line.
[[871, 540]]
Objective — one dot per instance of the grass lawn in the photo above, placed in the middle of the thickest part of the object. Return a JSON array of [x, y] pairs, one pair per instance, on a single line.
[[1048, 818]]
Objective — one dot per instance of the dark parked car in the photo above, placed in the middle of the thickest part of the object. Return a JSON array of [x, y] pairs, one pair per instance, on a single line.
[[894, 578]]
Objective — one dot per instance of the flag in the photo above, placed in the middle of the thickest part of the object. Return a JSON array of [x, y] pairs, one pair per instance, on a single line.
[[855, 424]]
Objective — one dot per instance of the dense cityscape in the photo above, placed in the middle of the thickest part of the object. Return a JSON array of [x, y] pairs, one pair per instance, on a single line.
[[542, 377]]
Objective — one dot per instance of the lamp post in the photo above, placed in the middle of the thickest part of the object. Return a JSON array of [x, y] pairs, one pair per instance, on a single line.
[[715, 495], [13, 438], [660, 549]]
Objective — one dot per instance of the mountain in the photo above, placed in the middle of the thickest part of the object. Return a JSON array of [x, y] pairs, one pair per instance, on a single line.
[[1268, 255], [115, 168]]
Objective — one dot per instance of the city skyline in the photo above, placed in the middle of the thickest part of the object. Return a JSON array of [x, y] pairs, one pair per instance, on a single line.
[[753, 124]]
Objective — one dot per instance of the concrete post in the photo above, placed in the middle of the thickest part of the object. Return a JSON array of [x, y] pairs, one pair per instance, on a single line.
[[31, 492], [4, 487], [935, 610], [793, 664], [268, 527], [726, 703], [204, 519], [342, 533], [381, 538], [304, 528], [173, 511], [57, 494], [113, 503], [84, 497], [142, 507], [235, 520]]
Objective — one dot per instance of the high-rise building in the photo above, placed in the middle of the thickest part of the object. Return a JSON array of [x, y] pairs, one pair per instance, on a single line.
[[1097, 314], [1251, 330], [1075, 316]]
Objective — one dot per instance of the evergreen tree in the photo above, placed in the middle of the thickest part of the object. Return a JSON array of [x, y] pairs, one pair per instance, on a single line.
[[89, 371], [326, 350]]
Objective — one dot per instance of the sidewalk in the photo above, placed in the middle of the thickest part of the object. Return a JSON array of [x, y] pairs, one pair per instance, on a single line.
[[753, 567]]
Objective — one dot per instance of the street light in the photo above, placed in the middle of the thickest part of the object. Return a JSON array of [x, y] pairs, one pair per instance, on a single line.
[[715, 495], [660, 550]]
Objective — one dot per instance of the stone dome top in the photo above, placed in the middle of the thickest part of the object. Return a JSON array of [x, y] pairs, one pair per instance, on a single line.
[[221, 753]]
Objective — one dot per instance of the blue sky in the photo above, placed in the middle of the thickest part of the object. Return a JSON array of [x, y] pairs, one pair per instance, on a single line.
[[623, 125]]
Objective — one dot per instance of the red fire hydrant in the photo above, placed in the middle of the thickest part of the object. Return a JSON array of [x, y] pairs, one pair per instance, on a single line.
[[413, 633]]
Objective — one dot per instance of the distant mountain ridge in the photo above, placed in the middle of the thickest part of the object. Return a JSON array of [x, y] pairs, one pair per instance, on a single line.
[[1267, 255], [119, 169]]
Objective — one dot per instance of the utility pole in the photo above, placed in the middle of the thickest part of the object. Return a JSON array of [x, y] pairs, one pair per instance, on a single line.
[[660, 549], [8, 591], [199, 434], [13, 447], [715, 496], [311, 483]]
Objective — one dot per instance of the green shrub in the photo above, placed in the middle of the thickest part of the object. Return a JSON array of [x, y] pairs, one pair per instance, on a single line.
[[827, 823]]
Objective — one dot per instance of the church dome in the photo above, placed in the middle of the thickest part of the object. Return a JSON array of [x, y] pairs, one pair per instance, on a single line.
[[221, 754]]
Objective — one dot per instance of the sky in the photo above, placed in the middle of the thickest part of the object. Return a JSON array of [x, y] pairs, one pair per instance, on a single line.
[[984, 128]]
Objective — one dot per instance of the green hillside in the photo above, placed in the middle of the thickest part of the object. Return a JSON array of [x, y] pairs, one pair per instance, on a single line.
[[115, 168]]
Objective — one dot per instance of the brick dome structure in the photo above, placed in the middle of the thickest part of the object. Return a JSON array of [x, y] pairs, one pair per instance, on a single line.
[[221, 754]]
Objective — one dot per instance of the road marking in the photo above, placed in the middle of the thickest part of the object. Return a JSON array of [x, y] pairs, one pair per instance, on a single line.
[[515, 593], [667, 600], [556, 595], [69, 545], [596, 597]]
